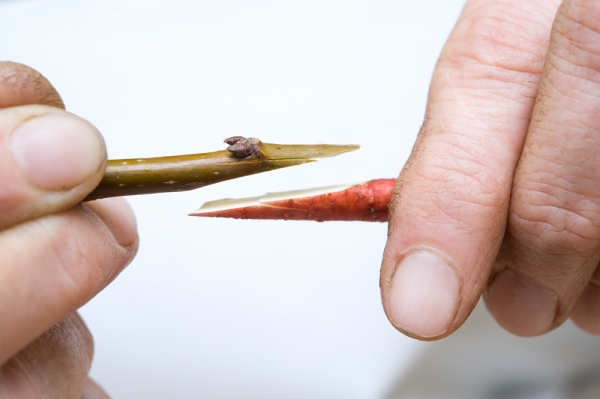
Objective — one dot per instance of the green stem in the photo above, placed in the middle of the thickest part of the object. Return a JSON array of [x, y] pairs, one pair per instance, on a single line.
[[187, 172]]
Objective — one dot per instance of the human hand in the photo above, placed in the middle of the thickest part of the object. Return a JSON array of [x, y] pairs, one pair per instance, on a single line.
[[55, 253], [501, 194]]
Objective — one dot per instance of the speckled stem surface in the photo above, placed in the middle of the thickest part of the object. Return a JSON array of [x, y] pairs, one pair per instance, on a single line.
[[187, 172]]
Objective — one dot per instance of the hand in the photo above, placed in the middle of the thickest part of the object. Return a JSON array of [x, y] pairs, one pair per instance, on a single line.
[[501, 194], [55, 253]]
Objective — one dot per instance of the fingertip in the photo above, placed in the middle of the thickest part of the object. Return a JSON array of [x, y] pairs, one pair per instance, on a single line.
[[118, 216], [586, 313], [58, 151], [92, 390], [22, 85], [520, 304], [50, 160], [424, 295]]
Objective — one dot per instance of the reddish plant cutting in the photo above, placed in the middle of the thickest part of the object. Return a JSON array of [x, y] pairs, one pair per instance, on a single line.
[[360, 202]]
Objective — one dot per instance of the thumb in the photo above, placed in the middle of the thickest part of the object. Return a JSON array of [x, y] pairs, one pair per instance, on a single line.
[[449, 211]]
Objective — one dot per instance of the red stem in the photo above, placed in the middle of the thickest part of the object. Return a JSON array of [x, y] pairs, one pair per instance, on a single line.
[[362, 202]]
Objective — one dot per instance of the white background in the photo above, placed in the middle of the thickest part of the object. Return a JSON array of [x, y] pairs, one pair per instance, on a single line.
[[228, 309]]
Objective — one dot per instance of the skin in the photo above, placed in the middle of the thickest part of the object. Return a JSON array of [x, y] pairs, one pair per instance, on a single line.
[[500, 198], [501, 195], [56, 253]]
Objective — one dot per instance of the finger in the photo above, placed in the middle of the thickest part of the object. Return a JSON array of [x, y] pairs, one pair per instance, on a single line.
[[53, 265], [586, 312], [552, 244], [91, 390], [22, 85], [55, 365], [449, 209], [49, 161]]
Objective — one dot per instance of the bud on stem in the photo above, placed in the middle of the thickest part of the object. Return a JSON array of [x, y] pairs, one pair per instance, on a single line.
[[187, 172]]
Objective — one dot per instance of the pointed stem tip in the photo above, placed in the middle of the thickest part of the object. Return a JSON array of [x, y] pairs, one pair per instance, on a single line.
[[244, 157], [359, 202]]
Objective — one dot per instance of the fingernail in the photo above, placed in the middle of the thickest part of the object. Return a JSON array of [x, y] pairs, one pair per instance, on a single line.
[[118, 216], [57, 152], [520, 304], [424, 295]]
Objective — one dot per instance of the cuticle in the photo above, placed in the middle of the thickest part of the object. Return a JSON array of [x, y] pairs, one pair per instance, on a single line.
[[426, 248]]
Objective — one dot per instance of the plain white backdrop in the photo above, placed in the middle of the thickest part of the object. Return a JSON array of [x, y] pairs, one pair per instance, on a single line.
[[243, 309]]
